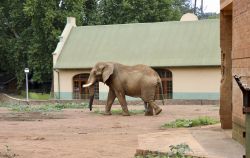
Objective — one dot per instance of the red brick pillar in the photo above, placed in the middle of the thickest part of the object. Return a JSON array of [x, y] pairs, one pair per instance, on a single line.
[[226, 69]]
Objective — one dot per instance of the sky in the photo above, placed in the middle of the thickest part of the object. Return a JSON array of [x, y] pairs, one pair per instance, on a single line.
[[209, 5]]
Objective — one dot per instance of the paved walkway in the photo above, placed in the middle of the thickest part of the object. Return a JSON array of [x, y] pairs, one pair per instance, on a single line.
[[210, 141]]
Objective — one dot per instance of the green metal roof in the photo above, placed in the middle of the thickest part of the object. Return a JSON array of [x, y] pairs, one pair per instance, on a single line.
[[162, 44]]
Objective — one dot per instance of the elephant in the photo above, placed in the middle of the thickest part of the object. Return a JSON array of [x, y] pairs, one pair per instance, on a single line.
[[135, 81]]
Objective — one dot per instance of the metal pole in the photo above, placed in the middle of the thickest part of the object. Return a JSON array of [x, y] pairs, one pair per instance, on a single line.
[[195, 7], [27, 88], [201, 7]]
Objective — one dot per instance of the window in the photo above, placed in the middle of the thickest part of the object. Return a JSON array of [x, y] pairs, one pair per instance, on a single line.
[[83, 93], [167, 84]]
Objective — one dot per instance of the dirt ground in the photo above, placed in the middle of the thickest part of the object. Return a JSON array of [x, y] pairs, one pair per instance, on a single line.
[[75, 133]]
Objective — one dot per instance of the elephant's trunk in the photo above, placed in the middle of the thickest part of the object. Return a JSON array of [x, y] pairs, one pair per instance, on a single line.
[[91, 86], [91, 96]]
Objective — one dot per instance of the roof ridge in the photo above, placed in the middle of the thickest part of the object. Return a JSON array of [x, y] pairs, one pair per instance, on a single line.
[[149, 23]]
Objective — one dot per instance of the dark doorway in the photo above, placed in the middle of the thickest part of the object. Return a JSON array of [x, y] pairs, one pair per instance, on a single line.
[[167, 84], [83, 93]]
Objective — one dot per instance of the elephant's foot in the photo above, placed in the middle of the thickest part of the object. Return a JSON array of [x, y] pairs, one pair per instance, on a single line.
[[107, 113], [158, 111], [148, 113], [125, 114]]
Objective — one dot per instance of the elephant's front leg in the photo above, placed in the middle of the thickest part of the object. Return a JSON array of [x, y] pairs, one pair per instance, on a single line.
[[110, 101], [122, 100]]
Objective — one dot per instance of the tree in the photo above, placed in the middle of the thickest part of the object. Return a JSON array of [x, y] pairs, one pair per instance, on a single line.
[[127, 11], [14, 36], [91, 16], [29, 34], [47, 22], [30, 28]]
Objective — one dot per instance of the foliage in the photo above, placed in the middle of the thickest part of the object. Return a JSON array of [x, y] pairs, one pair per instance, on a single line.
[[191, 122], [29, 35], [29, 29], [130, 11], [14, 36], [44, 108], [91, 16], [47, 22], [210, 16], [119, 111], [177, 151]]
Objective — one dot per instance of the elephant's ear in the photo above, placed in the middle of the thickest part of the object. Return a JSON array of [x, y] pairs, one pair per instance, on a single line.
[[107, 71]]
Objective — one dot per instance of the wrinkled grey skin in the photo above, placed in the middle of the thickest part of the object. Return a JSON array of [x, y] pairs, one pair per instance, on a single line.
[[135, 81]]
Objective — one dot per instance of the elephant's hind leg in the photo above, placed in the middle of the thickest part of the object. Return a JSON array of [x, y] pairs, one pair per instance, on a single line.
[[148, 110], [110, 101], [155, 107]]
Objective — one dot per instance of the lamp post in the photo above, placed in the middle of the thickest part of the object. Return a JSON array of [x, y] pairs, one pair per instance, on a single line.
[[26, 70]]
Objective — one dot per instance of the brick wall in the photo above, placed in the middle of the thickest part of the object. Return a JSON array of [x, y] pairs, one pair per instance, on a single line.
[[240, 61], [226, 69]]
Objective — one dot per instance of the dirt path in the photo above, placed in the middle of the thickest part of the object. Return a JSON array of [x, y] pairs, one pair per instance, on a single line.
[[83, 134]]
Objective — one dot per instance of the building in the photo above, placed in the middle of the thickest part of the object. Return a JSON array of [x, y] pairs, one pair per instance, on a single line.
[[235, 45], [186, 54]]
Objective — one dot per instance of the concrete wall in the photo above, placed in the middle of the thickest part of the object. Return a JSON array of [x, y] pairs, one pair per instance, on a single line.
[[240, 61], [188, 83], [196, 83], [63, 82]]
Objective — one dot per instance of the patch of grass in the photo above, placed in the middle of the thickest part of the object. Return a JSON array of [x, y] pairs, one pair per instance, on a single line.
[[201, 121], [44, 108], [176, 151], [119, 111], [37, 96]]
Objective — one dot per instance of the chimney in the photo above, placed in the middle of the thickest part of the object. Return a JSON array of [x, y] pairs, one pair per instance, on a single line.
[[71, 21]]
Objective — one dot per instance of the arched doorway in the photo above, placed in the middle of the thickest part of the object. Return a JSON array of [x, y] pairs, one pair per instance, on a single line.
[[167, 83], [83, 93]]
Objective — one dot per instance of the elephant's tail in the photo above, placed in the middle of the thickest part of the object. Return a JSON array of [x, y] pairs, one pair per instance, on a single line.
[[161, 90]]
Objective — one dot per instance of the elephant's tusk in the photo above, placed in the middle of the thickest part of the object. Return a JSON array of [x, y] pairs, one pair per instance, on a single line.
[[87, 85]]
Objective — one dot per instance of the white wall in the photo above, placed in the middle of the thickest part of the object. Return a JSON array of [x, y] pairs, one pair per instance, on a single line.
[[66, 82], [188, 83], [196, 83]]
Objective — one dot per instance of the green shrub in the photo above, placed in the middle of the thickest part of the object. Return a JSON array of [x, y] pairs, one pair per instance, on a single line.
[[201, 121], [176, 151]]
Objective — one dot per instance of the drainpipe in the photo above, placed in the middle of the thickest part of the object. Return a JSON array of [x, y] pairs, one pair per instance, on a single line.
[[58, 81]]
